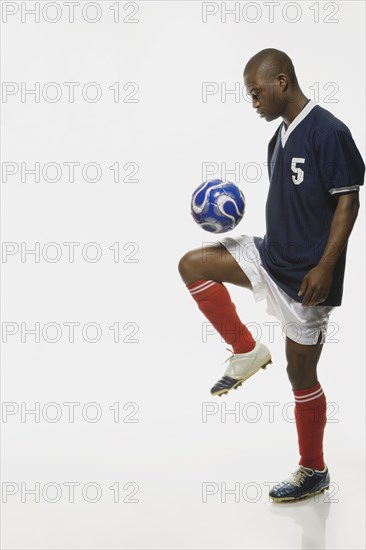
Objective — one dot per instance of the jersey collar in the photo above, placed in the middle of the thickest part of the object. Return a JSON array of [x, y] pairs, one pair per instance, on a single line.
[[300, 117]]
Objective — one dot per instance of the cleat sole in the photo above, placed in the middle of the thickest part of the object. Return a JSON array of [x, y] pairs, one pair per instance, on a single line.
[[264, 367], [240, 381], [291, 499]]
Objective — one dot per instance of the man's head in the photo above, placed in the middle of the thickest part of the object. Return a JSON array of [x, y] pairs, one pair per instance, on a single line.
[[270, 80]]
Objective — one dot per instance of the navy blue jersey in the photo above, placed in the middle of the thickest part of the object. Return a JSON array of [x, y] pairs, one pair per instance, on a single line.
[[309, 165]]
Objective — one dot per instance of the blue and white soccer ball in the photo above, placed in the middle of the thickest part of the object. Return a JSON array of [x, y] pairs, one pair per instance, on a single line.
[[217, 206]]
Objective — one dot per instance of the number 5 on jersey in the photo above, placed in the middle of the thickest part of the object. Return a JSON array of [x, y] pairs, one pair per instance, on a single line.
[[299, 173]]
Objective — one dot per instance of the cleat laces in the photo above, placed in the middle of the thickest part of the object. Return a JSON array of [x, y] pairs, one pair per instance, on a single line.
[[297, 478], [231, 356]]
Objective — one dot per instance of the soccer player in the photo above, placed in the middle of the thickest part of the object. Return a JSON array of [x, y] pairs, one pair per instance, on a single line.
[[315, 171]]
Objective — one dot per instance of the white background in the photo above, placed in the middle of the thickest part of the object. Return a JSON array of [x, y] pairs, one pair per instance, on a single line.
[[170, 453]]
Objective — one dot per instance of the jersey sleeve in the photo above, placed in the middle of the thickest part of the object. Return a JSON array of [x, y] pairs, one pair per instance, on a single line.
[[340, 164]]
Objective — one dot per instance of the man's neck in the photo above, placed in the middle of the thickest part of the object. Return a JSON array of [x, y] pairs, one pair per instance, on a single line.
[[294, 109]]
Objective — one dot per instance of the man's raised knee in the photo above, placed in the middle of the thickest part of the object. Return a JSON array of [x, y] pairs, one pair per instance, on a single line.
[[187, 266]]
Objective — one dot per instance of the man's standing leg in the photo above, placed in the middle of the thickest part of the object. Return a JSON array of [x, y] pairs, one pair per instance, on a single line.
[[310, 402], [310, 414]]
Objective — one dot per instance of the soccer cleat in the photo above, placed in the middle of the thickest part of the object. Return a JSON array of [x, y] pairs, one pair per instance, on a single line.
[[303, 483], [241, 367]]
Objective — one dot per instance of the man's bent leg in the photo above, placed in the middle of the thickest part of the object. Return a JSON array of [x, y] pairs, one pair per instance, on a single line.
[[214, 263], [204, 271]]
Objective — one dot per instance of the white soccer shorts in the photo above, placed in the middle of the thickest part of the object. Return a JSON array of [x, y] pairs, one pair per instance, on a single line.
[[301, 324]]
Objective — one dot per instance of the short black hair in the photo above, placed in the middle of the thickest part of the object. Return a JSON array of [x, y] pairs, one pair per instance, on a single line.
[[272, 62]]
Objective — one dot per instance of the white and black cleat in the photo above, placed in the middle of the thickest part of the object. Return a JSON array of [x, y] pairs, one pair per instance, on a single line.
[[241, 367]]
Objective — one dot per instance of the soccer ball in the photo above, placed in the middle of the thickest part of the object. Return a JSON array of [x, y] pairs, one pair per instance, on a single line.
[[217, 206]]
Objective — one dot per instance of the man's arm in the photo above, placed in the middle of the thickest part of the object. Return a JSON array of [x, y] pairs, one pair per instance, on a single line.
[[318, 281]]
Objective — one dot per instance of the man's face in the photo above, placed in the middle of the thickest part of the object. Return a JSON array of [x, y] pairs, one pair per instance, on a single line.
[[267, 95]]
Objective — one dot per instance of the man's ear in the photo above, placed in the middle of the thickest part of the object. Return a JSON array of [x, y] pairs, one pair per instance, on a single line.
[[283, 81]]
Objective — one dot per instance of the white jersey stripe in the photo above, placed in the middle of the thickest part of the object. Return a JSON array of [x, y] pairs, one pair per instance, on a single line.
[[336, 190], [302, 114]]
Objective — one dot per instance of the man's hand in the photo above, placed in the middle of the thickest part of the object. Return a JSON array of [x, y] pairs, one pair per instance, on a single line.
[[316, 285]]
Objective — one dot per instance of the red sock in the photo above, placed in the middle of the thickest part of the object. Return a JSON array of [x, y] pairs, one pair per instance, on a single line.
[[310, 415], [213, 299]]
